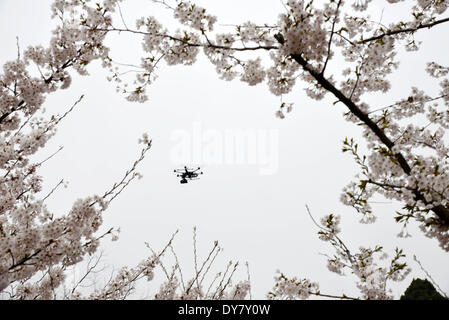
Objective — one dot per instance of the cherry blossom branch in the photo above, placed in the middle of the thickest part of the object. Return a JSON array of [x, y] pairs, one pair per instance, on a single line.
[[124, 282], [342, 297], [331, 37], [53, 190], [130, 175], [164, 3], [249, 279], [210, 260], [339, 241], [228, 282], [177, 267], [395, 104], [441, 211], [393, 32], [190, 44], [198, 273], [90, 269], [430, 277]]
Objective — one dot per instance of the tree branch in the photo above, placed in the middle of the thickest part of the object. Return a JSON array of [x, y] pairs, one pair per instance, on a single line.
[[393, 32], [441, 211]]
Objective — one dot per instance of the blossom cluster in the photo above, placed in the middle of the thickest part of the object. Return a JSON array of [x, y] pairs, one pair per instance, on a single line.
[[372, 277], [34, 240], [292, 288]]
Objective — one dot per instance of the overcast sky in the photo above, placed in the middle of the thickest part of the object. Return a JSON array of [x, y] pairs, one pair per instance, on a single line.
[[256, 217]]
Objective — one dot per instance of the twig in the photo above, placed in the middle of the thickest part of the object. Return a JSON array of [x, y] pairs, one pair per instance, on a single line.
[[430, 277]]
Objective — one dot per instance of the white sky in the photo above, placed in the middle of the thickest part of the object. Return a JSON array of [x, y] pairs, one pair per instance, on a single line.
[[256, 218]]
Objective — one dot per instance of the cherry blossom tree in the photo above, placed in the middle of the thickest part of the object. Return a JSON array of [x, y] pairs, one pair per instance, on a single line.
[[372, 273], [406, 159], [407, 156], [34, 240], [38, 247]]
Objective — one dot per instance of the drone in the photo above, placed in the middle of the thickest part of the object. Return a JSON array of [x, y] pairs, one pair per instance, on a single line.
[[187, 174]]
